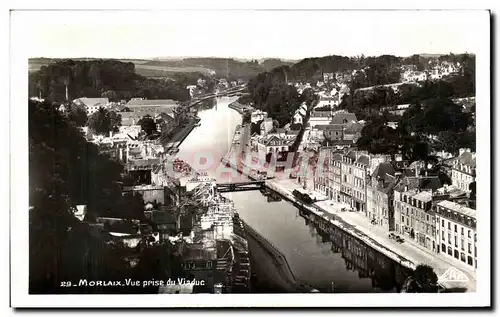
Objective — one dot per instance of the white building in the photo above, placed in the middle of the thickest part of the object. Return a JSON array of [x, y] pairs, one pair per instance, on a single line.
[[92, 105], [258, 115], [456, 232], [464, 170]]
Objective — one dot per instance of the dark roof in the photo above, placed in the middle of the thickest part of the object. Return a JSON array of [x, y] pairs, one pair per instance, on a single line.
[[223, 246], [343, 117], [363, 159], [385, 168], [467, 158], [153, 102], [352, 155], [340, 142], [353, 128], [422, 182], [162, 217], [329, 127], [337, 157], [92, 101]]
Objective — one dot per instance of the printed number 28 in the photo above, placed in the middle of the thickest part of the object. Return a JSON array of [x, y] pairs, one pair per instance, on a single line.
[[65, 284]]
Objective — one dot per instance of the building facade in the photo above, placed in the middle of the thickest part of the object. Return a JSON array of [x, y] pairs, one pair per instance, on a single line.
[[456, 232], [463, 171], [379, 195], [413, 213], [354, 172]]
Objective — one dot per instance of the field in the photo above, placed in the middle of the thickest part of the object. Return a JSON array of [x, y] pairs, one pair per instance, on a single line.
[[142, 67], [165, 71]]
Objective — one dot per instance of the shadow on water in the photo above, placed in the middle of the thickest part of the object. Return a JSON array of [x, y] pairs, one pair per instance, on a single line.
[[320, 254]]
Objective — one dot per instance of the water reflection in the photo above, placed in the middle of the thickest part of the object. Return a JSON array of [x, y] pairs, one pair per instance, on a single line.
[[385, 274], [318, 253]]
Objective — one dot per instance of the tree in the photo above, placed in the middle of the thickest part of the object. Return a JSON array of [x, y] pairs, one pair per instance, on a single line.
[[377, 138], [246, 117], [472, 188], [110, 94], [147, 124], [425, 279], [77, 115], [104, 121], [66, 171]]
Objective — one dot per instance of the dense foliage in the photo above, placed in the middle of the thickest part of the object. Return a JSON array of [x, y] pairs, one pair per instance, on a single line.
[[66, 171], [278, 99], [435, 125], [147, 124], [423, 280], [107, 78], [104, 121]]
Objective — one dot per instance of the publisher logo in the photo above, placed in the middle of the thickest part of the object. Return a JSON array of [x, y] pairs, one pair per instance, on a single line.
[[453, 275]]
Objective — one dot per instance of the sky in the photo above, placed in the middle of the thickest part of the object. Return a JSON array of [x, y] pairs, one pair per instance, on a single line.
[[245, 34]]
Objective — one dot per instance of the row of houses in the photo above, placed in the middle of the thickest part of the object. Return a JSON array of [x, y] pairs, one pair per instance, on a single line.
[[439, 71], [402, 199]]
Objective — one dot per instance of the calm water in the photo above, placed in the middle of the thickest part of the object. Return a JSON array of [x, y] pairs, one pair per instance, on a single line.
[[309, 251]]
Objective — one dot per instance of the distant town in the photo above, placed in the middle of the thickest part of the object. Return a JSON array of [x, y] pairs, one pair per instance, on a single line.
[[141, 177]]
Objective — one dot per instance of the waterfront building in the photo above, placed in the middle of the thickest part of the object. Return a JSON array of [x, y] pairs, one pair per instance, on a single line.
[[354, 172], [413, 213], [456, 232], [273, 145], [379, 195], [464, 170]]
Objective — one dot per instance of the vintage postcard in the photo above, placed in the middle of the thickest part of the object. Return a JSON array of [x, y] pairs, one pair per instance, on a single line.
[[247, 152]]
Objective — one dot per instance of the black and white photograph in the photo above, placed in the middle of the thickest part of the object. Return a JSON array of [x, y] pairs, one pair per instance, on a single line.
[[319, 158]]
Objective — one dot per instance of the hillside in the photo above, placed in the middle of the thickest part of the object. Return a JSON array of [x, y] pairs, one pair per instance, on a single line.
[[107, 78], [222, 67]]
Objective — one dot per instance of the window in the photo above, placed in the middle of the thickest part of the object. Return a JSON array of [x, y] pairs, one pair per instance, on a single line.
[[442, 223], [475, 251], [462, 257], [427, 217], [469, 248], [463, 244], [455, 254], [469, 260], [450, 252], [443, 247], [468, 234], [456, 228], [449, 225], [442, 235], [456, 242], [462, 231], [449, 238], [403, 219]]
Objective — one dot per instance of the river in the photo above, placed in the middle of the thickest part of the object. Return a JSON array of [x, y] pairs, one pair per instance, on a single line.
[[314, 257]]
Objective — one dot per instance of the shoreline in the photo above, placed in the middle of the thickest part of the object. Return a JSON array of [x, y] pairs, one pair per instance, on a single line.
[[268, 258], [349, 226]]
